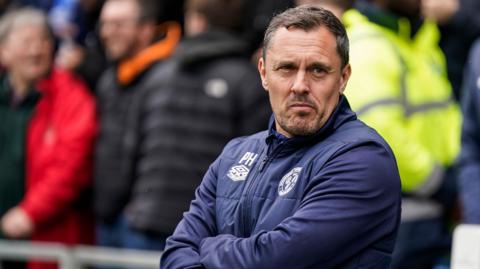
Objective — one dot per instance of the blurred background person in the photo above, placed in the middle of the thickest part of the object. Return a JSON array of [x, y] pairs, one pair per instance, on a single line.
[[16, 107], [73, 24], [59, 140], [401, 89], [399, 86], [126, 164], [85, 54], [469, 161]]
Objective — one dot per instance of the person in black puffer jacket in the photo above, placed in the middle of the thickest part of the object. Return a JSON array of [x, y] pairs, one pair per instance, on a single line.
[[137, 47]]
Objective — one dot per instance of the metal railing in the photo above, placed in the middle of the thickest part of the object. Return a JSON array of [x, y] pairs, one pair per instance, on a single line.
[[78, 256]]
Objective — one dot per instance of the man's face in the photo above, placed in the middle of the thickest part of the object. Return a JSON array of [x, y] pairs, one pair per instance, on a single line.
[[119, 28], [27, 52], [303, 75]]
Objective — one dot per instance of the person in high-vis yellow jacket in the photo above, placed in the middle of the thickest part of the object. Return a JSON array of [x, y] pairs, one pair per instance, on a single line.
[[399, 86]]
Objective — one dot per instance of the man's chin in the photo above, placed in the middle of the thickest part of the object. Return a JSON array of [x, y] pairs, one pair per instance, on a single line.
[[302, 132], [115, 56], [301, 129]]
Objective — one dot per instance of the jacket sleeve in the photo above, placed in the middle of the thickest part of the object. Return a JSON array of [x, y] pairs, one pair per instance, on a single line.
[[469, 161], [182, 248], [68, 171], [352, 202], [374, 92]]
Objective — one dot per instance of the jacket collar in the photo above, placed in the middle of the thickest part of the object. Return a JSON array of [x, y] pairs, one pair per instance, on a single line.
[[341, 114], [130, 69]]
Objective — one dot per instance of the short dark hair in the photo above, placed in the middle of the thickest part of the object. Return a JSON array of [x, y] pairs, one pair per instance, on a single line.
[[307, 18], [224, 14]]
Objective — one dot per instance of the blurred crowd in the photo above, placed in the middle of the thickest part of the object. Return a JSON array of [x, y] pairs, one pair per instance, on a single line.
[[111, 111]]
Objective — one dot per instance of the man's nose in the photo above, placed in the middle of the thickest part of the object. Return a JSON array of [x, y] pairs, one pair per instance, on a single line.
[[300, 83]]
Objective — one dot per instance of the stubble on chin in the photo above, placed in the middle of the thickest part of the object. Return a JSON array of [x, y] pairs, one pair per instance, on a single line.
[[301, 124]]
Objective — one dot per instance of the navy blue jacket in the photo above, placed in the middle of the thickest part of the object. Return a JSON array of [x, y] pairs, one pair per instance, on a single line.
[[330, 200], [469, 161]]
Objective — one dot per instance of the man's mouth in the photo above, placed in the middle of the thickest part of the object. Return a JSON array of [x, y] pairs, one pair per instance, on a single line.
[[301, 105]]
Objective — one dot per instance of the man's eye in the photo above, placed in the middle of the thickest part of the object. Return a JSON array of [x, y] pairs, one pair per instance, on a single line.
[[285, 68], [318, 71]]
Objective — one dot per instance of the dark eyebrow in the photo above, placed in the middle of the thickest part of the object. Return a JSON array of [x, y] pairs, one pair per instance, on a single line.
[[287, 64], [321, 66]]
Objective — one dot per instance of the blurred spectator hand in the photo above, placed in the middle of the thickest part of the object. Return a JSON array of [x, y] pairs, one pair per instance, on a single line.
[[16, 223], [440, 10], [70, 56]]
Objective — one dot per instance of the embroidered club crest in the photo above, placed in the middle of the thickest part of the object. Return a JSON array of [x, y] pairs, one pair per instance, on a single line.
[[288, 181], [238, 172]]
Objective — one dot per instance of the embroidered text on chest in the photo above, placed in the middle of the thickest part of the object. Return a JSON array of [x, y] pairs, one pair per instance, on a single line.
[[240, 172]]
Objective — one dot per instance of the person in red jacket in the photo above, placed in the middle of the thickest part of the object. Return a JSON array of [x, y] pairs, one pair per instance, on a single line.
[[59, 139]]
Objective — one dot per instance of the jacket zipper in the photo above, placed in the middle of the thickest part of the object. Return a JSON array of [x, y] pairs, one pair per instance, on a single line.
[[251, 188]]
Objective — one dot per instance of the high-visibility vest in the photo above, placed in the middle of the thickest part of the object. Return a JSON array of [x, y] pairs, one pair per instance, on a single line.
[[399, 86]]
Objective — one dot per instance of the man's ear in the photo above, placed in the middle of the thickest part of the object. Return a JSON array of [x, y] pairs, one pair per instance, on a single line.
[[262, 71], [346, 72]]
